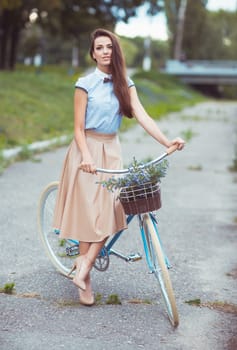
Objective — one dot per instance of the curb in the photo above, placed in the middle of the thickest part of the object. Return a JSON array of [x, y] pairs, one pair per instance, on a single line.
[[34, 147]]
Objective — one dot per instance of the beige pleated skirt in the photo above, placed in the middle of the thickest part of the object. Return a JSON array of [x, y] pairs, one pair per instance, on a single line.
[[85, 210]]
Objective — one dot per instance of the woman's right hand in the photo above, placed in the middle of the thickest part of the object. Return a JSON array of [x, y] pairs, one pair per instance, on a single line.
[[88, 166]]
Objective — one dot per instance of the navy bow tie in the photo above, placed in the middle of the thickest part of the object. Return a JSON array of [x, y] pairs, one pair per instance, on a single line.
[[107, 80]]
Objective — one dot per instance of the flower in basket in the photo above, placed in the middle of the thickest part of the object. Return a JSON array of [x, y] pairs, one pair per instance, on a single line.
[[139, 190], [137, 175]]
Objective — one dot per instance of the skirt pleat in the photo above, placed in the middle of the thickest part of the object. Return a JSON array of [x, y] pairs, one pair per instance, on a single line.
[[85, 210]]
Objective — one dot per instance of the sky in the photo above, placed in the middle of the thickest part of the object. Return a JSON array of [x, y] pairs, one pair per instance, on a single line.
[[155, 26]]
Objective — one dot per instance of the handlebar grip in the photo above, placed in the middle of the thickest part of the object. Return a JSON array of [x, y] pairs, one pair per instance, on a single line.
[[172, 149]]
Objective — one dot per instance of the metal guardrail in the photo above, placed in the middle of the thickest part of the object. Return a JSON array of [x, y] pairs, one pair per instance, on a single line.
[[203, 71]]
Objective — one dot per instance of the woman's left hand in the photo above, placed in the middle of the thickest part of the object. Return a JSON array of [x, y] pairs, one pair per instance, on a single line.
[[179, 142]]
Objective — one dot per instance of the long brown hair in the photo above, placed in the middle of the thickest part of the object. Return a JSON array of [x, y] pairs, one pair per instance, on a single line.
[[118, 71]]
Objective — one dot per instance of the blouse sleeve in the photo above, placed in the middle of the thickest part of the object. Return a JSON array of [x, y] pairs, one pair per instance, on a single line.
[[82, 83], [130, 82]]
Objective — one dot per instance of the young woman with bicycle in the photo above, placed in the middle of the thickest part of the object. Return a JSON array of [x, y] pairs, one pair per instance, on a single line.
[[85, 211]]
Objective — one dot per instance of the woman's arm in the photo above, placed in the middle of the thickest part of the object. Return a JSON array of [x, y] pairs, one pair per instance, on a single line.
[[80, 103], [149, 124]]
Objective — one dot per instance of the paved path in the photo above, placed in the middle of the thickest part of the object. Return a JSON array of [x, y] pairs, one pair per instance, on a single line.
[[198, 222]]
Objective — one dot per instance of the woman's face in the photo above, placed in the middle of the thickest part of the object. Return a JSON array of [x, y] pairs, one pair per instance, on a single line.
[[103, 52]]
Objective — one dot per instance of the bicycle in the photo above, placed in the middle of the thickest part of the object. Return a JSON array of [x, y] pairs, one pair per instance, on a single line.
[[61, 251]]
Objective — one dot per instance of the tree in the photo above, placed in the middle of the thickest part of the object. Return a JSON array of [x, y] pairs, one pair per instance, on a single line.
[[73, 19], [186, 22], [221, 41], [9, 31], [77, 18], [14, 15], [195, 29]]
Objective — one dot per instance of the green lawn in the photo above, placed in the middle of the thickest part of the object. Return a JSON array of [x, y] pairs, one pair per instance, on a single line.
[[36, 107]]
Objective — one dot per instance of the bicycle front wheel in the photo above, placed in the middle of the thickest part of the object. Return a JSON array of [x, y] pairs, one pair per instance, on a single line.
[[159, 268], [55, 247]]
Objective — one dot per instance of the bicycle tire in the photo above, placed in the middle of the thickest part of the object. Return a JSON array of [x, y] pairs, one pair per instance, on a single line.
[[54, 246], [160, 269]]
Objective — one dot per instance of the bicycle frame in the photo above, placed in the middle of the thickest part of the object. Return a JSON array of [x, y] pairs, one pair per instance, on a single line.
[[134, 257]]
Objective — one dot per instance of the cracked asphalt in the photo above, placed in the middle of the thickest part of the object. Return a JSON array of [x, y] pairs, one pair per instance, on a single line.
[[198, 226]]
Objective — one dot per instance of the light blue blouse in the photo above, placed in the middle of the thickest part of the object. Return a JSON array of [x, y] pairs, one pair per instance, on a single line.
[[102, 112]]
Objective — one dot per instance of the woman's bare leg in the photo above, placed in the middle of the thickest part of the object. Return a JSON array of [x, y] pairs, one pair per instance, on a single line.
[[84, 247], [89, 252], [86, 260], [94, 250]]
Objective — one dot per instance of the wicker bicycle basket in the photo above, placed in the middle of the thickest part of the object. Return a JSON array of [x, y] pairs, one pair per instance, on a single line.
[[140, 199]]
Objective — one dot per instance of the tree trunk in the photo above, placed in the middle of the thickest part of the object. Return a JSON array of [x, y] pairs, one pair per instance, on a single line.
[[10, 24], [13, 47], [4, 32], [179, 32]]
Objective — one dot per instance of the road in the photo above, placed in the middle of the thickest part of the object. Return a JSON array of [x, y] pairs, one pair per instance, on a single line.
[[198, 225]]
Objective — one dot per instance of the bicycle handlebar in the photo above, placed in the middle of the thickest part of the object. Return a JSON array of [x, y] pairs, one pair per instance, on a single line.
[[168, 152]]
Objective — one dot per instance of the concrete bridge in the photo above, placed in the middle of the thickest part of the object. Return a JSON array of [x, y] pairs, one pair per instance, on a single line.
[[203, 72]]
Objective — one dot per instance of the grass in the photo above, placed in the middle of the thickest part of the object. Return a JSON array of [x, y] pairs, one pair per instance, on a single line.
[[188, 134], [8, 288], [40, 106], [162, 94], [36, 107], [233, 166], [113, 299], [195, 167], [215, 305], [140, 301]]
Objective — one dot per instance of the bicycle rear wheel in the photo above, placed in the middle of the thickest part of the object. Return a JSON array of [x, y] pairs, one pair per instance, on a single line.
[[159, 268], [55, 247]]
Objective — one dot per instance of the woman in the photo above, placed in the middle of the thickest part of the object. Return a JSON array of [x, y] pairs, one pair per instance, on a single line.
[[84, 210]]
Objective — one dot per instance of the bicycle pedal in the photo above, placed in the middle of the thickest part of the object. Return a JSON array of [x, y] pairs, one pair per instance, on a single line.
[[134, 257], [73, 250]]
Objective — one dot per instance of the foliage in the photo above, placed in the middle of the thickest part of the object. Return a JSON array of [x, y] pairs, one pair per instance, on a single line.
[[221, 41], [72, 20], [161, 94], [194, 29], [98, 298], [3, 163], [206, 34], [137, 175], [36, 107], [188, 134], [194, 26], [8, 288], [113, 299], [194, 302], [233, 167], [130, 50], [61, 25], [197, 167]]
